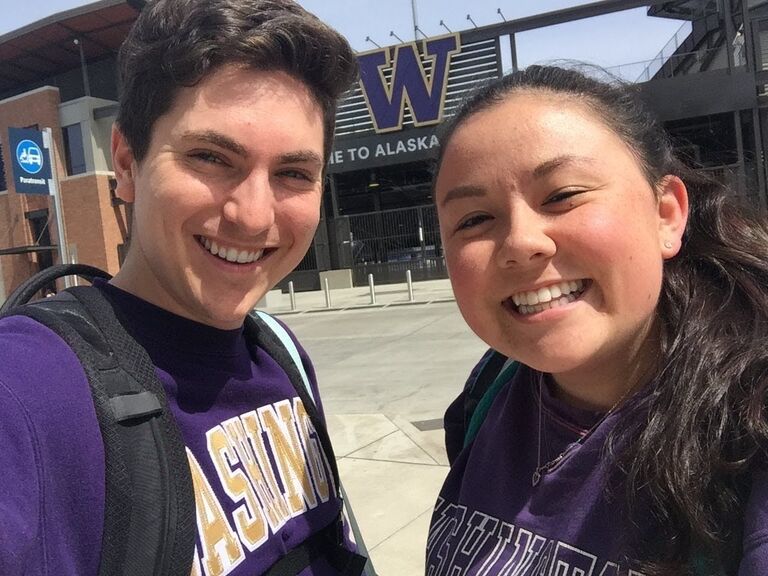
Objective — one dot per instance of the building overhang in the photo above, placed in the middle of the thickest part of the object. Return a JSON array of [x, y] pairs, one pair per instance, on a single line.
[[47, 47]]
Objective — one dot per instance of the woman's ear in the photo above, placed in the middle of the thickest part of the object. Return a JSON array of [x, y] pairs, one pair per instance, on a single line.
[[673, 214], [123, 165]]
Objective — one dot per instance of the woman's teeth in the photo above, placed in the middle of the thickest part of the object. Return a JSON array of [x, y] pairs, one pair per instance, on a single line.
[[549, 297], [230, 254]]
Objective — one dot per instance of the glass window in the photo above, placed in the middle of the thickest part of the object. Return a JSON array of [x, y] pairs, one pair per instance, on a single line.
[[73, 149]]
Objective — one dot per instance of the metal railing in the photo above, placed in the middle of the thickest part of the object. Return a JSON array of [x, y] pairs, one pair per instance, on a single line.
[[667, 51], [674, 66], [389, 242], [397, 235]]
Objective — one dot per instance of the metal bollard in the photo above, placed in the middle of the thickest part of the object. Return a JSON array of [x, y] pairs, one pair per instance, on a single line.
[[372, 288], [292, 295], [409, 280], [327, 294]]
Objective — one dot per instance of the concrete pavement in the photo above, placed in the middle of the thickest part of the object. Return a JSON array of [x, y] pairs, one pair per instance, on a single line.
[[386, 374]]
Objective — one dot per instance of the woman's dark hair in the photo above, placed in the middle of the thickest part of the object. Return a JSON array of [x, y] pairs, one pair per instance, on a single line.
[[175, 43], [698, 430]]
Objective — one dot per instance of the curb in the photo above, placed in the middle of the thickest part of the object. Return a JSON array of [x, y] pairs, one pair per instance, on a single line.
[[359, 307]]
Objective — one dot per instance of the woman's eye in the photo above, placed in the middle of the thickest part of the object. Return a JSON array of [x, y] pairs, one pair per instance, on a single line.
[[562, 196], [472, 221]]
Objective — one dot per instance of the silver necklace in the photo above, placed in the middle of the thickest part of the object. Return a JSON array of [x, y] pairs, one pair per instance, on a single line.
[[542, 469]]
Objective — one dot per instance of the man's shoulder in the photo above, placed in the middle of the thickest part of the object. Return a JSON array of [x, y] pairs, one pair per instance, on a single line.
[[35, 363], [53, 450], [23, 338]]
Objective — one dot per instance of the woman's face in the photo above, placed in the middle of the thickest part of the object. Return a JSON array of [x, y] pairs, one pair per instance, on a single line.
[[554, 238]]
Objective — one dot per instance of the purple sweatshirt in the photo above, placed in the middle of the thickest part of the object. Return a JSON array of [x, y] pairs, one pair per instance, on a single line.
[[490, 520], [262, 481]]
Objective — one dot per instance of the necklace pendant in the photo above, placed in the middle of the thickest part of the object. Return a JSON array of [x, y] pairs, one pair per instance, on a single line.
[[536, 478]]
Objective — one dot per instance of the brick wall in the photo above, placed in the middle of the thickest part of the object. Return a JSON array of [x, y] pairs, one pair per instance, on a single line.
[[94, 226], [91, 223]]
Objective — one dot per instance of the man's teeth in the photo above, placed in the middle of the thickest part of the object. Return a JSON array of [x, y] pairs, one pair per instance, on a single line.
[[549, 297], [231, 254]]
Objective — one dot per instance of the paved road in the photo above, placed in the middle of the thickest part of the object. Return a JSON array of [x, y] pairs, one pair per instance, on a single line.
[[386, 376], [403, 360]]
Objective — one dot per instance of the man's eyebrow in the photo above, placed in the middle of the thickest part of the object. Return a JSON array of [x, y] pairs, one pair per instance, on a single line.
[[462, 192], [217, 139], [301, 157], [549, 166]]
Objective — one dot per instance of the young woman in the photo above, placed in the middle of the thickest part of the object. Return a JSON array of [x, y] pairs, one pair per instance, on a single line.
[[632, 437]]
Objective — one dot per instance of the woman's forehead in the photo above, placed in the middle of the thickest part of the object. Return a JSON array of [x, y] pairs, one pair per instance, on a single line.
[[526, 128]]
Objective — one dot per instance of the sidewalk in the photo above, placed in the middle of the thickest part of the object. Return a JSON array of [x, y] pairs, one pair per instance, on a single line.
[[429, 291], [386, 375]]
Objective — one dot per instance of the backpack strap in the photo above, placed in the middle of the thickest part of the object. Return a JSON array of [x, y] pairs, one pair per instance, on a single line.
[[290, 346], [468, 412], [489, 393], [266, 332], [31, 286], [479, 380], [149, 515]]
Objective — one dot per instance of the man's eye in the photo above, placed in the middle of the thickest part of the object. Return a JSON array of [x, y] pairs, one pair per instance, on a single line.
[[208, 157], [472, 221], [300, 175]]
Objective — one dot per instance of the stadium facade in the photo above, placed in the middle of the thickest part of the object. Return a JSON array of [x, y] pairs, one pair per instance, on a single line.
[[709, 85]]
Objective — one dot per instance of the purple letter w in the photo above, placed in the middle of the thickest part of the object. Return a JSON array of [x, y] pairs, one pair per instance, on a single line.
[[408, 82]]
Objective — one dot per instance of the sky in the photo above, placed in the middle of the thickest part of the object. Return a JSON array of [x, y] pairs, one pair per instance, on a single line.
[[618, 41]]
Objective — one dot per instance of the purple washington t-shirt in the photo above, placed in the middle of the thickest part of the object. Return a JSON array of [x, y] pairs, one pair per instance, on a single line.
[[490, 520], [262, 481]]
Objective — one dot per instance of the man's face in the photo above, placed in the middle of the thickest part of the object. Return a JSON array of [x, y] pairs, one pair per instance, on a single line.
[[227, 198]]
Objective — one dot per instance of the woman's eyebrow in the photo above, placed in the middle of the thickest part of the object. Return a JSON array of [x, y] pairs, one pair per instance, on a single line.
[[462, 192], [549, 166]]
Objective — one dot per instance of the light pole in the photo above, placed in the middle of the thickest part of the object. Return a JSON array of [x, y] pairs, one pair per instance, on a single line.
[[83, 68], [415, 21]]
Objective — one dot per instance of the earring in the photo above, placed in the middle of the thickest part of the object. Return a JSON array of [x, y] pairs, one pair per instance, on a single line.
[[667, 244]]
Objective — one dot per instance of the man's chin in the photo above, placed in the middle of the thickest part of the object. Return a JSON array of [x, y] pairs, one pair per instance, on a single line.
[[226, 317]]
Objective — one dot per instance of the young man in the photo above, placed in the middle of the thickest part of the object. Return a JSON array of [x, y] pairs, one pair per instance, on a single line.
[[225, 123]]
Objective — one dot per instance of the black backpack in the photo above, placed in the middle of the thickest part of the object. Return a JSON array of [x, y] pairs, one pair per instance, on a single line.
[[467, 413], [147, 477]]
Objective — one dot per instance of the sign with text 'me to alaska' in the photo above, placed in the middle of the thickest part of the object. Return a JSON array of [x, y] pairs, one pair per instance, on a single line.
[[409, 82], [383, 150], [30, 161]]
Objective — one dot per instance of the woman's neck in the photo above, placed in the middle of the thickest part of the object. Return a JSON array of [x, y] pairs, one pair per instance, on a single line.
[[607, 380]]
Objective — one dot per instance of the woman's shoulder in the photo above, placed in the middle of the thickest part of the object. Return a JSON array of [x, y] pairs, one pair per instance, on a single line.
[[755, 528]]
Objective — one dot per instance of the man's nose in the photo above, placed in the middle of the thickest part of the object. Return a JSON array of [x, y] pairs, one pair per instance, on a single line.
[[251, 204]]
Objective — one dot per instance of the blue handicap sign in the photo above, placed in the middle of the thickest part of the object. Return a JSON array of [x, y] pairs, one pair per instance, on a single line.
[[29, 156], [30, 161]]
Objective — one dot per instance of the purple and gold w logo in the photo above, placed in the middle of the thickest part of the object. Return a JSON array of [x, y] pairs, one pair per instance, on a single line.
[[408, 83]]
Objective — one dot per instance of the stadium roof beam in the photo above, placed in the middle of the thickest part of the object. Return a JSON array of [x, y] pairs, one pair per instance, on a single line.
[[568, 15]]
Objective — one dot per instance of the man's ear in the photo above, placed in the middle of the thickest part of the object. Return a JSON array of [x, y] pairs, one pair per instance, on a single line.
[[124, 166], [673, 214]]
